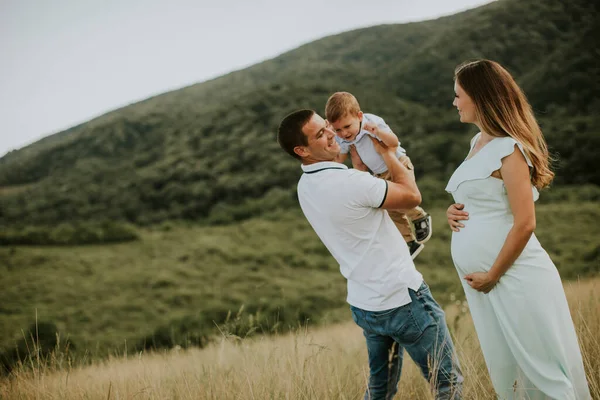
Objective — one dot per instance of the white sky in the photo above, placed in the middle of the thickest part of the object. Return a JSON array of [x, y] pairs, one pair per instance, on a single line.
[[64, 62]]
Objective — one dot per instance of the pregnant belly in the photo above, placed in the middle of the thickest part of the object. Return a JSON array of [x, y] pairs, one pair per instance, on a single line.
[[476, 246]]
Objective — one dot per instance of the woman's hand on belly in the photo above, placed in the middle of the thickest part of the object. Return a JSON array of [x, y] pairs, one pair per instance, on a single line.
[[455, 214], [482, 281]]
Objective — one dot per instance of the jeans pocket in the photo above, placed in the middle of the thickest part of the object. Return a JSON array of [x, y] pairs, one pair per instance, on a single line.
[[410, 325], [429, 304], [384, 313]]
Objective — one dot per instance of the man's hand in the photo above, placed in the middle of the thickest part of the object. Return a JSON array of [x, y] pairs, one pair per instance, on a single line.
[[481, 281], [381, 148], [357, 162], [455, 214]]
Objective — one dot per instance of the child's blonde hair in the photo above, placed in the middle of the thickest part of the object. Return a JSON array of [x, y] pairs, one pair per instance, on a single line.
[[339, 105]]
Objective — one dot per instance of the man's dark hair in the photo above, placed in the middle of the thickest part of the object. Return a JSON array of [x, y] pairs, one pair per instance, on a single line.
[[290, 135]]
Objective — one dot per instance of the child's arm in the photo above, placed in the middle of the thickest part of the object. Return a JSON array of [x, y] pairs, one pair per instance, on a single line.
[[357, 162], [387, 137], [343, 149], [341, 158]]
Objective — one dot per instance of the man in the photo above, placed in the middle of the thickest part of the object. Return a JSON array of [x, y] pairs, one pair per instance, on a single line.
[[387, 295]]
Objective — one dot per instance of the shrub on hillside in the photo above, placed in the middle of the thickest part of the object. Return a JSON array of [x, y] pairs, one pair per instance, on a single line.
[[40, 344], [571, 194], [183, 332], [249, 320], [69, 234]]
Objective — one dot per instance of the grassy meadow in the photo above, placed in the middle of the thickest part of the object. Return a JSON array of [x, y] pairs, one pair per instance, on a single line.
[[329, 362], [178, 284]]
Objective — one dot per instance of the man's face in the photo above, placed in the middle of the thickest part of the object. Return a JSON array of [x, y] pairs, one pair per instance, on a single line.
[[348, 126], [321, 141]]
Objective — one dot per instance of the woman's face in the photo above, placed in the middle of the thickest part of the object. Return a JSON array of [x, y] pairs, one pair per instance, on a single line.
[[464, 104]]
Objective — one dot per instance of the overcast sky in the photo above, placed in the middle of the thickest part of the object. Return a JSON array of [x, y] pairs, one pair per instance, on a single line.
[[64, 62]]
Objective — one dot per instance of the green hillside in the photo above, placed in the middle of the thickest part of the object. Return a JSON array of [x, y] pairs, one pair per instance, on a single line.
[[207, 152]]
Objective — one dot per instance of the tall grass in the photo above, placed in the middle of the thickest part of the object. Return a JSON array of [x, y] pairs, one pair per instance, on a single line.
[[324, 363]]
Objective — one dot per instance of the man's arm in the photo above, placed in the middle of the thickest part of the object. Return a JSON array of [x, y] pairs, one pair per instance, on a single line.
[[403, 192]]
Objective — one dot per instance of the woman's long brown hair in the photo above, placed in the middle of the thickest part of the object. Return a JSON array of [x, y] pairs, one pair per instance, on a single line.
[[503, 110]]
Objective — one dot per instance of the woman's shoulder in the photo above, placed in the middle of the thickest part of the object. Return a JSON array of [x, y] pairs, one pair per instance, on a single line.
[[487, 160], [505, 146], [474, 139]]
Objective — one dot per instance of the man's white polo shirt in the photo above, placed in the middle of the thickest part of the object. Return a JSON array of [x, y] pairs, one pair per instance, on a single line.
[[342, 205]]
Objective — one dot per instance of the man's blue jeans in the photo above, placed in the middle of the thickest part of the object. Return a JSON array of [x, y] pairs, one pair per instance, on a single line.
[[420, 328]]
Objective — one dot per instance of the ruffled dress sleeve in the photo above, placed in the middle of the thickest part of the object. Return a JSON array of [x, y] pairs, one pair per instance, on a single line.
[[486, 161]]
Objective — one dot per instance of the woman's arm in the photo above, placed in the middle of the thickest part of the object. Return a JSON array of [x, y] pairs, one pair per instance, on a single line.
[[515, 173]]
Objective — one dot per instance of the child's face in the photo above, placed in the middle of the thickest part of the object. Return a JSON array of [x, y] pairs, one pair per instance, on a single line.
[[348, 126]]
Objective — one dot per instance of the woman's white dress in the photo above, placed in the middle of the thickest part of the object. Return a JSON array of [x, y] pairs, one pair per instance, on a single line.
[[523, 324]]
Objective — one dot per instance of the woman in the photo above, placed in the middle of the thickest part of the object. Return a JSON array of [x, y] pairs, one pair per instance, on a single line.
[[514, 291]]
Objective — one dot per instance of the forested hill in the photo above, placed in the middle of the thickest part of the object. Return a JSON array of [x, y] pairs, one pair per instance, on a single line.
[[208, 152]]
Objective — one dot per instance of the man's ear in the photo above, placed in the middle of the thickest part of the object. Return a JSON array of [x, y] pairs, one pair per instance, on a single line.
[[360, 115], [302, 151]]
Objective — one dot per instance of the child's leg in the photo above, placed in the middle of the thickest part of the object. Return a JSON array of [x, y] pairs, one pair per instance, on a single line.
[[399, 217], [403, 224], [415, 213], [418, 216], [421, 222], [405, 160]]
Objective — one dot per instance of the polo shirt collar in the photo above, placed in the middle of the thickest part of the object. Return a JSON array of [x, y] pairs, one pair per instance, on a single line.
[[323, 165]]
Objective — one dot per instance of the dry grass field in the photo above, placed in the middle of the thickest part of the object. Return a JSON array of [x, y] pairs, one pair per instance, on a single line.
[[325, 363]]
